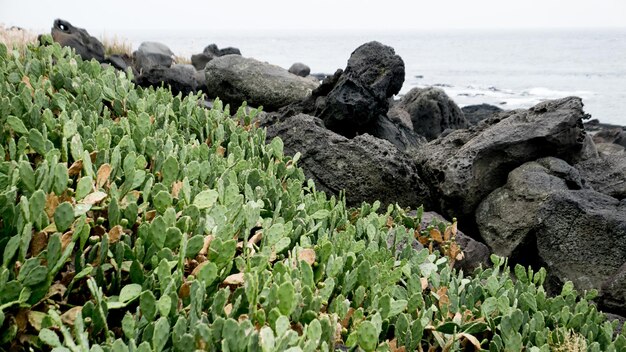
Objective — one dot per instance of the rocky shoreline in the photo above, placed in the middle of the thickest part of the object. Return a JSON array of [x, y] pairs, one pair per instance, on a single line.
[[538, 185]]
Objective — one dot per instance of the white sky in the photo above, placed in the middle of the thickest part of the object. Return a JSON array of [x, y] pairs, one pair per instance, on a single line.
[[115, 16]]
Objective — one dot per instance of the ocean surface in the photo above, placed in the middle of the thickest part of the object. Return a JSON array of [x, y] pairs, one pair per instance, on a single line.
[[510, 69]]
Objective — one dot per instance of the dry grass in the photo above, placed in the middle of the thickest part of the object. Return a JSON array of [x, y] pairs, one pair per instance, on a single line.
[[572, 342], [116, 45], [16, 38], [182, 60]]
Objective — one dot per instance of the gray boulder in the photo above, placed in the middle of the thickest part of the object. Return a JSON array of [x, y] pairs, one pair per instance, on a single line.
[[152, 54], [465, 166], [300, 69], [85, 45], [355, 101], [367, 168], [605, 174], [476, 113], [360, 96], [582, 237], [431, 112], [507, 216], [180, 78], [235, 79], [546, 216]]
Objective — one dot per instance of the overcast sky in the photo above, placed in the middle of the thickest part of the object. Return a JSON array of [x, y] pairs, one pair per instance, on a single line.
[[115, 16]]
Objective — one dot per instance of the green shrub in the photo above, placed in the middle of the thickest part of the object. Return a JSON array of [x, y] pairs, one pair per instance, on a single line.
[[133, 220]]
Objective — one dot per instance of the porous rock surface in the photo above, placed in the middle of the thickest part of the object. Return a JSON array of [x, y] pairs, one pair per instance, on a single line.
[[465, 166], [547, 215], [374, 73], [605, 174], [366, 167]]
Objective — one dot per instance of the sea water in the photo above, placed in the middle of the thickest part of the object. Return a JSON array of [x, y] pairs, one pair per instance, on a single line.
[[508, 68]]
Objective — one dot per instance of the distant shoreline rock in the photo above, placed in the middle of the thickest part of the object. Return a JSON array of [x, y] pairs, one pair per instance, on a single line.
[[210, 52], [476, 113]]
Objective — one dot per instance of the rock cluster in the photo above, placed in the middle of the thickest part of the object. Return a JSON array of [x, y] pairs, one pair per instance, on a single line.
[[355, 101], [548, 210], [209, 53], [536, 185], [466, 165]]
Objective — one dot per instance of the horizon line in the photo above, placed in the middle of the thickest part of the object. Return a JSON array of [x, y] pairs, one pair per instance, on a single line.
[[352, 30]]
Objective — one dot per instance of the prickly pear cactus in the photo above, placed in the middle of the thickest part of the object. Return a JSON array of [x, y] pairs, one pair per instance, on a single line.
[[134, 220], [63, 216]]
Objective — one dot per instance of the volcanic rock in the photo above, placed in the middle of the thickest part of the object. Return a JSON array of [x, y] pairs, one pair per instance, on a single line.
[[210, 52], [374, 73], [180, 78], [235, 79], [431, 112], [605, 174], [546, 215], [465, 166], [151, 54], [476, 113], [85, 45], [355, 101], [300, 69], [366, 167]]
